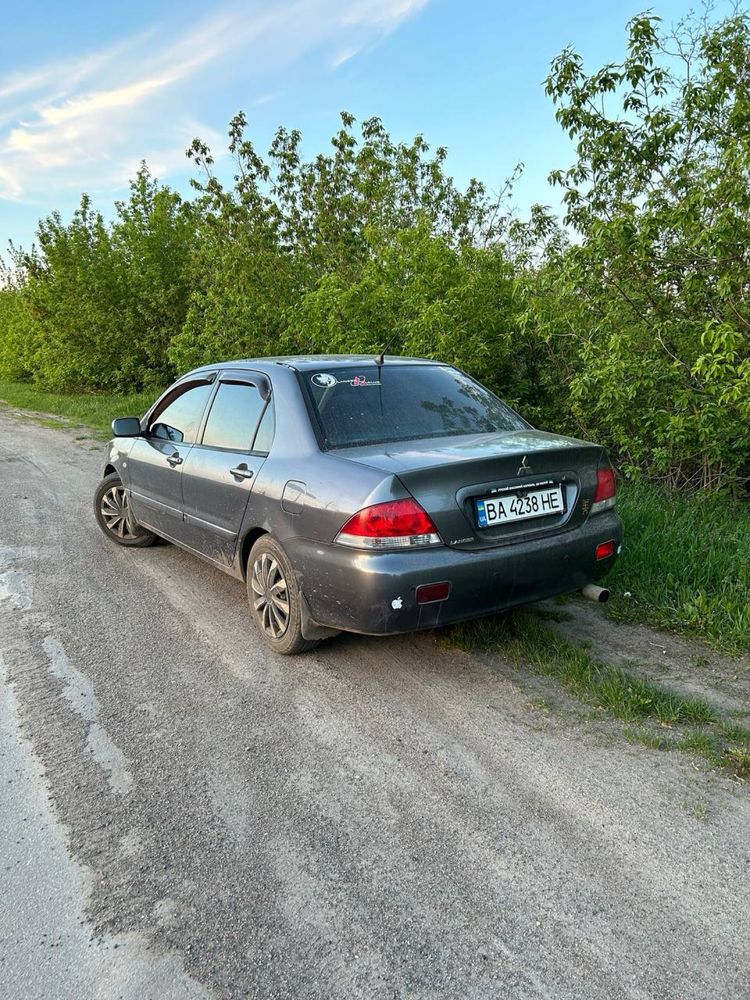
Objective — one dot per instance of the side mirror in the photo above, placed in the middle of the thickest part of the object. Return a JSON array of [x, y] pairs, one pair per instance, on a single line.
[[126, 427]]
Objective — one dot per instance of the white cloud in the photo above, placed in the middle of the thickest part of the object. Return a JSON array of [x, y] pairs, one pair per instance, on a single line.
[[343, 57], [10, 184], [86, 122], [267, 98], [71, 71], [382, 14]]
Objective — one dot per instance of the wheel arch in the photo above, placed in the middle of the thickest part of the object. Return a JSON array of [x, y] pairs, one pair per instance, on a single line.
[[248, 541], [109, 469]]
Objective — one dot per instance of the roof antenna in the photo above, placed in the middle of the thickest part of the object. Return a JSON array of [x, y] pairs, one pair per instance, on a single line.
[[381, 357]]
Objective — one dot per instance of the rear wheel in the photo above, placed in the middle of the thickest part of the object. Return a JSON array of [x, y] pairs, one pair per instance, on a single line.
[[115, 515], [275, 598]]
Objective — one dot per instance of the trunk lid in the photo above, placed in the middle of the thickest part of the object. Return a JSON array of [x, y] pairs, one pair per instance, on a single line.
[[448, 475]]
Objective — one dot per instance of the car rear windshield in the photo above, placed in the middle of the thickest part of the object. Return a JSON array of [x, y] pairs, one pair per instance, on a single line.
[[374, 404]]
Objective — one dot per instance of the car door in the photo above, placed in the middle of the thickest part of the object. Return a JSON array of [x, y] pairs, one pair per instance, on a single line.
[[220, 471], [157, 458]]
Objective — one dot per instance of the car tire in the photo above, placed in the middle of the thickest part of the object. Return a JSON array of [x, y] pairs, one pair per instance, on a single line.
[[115, 517], [274, 598]]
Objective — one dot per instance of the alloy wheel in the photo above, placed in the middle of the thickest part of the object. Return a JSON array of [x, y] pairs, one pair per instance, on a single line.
[[270, 595]]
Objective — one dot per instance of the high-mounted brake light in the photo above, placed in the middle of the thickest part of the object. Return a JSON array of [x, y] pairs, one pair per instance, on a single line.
[[396, 524], [606, 488]]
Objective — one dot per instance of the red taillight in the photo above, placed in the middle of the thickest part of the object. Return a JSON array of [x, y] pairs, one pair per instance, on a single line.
[[606, 487], [605, 550], [395, 524], [427, 593]]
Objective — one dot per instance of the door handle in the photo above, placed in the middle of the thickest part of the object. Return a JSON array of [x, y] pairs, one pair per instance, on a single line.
[[242, 472], [174, 459]]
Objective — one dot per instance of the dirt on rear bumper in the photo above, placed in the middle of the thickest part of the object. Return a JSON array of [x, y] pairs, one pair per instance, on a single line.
[[375, 593]]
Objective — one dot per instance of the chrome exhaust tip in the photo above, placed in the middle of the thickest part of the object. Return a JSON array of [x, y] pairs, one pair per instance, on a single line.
[[600, 595]]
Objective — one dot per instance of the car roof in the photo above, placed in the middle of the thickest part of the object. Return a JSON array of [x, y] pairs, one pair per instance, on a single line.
[[300, 362]]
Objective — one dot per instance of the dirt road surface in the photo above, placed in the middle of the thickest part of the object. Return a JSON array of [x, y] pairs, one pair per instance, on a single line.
[[186, 815]]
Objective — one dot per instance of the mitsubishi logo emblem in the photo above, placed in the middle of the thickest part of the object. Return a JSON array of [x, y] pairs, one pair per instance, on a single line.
[[524, 468]]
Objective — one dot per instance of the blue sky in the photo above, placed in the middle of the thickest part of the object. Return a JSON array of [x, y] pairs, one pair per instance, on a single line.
[[88, 89]]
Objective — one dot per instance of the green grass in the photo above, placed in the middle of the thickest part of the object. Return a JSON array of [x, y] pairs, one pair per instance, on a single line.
[[645, 738], [524, 638], [93, 410], [695, 725], [686, 563]]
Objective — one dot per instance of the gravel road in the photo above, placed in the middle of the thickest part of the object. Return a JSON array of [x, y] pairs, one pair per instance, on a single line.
[[185, 815]]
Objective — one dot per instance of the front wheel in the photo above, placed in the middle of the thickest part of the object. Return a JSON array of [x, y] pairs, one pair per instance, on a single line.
[[115, 516], [274, 598]]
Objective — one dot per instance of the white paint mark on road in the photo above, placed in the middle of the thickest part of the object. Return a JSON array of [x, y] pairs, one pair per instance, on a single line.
[[109, 757], [79, 692], [48, 951], [13, 586]]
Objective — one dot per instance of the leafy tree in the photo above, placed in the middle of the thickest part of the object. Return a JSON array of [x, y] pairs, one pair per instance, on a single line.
[[289, 228], [15, 324], [100, 303], [71, 290], [659, 199], [418, 295], [154, 240]]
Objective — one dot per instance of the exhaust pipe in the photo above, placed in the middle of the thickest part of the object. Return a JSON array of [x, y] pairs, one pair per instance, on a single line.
[[591, 592]]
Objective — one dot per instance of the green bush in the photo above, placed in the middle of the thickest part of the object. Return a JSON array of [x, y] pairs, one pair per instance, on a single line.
[[656, 281], [686, 563], [96, 305]]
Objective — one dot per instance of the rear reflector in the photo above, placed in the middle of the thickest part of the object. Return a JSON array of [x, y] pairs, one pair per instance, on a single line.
[[606, 487], [605, 550], [429, 592], [397, 524]]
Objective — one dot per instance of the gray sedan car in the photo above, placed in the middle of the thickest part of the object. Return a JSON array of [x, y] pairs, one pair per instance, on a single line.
[[371, 495]]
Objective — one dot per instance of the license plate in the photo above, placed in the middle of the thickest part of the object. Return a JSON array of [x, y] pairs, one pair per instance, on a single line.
[[511, 507]]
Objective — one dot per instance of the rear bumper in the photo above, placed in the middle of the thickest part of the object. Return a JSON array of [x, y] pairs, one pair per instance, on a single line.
[[374, 593]]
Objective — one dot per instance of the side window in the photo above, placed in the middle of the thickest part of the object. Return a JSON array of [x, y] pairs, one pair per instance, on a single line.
[[234, 416], [264, 437], [179, 420]]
